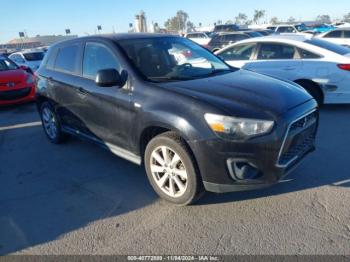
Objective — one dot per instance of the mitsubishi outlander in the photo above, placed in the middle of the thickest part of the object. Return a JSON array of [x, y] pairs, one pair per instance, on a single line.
[[164, 102]]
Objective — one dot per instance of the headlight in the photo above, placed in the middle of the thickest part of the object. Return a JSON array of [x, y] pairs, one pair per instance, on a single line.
[[237, 128]]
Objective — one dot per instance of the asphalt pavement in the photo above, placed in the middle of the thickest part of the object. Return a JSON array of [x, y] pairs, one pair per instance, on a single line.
[[77, 198]]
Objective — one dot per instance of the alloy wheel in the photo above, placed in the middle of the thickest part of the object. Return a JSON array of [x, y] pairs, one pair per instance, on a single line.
[[49, 122], [168, 171]]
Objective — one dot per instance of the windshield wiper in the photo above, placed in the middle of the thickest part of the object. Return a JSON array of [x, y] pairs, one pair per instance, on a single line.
[[171, 78], [215, 72]]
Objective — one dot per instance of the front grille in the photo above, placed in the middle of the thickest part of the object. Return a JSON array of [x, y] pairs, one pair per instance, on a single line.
[[14, 94], [299, 139], [9, 84]]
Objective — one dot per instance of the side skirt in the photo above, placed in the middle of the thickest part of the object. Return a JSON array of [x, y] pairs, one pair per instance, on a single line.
[[118, 151]]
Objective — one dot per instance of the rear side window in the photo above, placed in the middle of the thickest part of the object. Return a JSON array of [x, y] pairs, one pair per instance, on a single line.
[[35, 56], [240, 52], [98, 57], [304, 54], [347, 34], [49, 60], [67, 59], [285, 29], [334, 34], [276, 51]]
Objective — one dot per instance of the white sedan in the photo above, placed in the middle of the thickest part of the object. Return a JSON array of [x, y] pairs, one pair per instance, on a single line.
[[321, 67], [200, 38], [340, 36], [28, 58]]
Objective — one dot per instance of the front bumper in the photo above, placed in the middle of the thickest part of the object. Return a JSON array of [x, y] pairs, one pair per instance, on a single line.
[[271, 157], [17, 96]]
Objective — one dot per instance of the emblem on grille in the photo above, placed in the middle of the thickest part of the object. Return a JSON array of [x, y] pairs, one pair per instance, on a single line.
[[10, 84]]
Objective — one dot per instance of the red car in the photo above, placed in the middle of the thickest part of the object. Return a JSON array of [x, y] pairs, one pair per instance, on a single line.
[[17, 84]]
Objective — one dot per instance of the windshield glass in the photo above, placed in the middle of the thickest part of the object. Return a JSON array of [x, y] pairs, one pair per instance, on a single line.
[[338, 49], [36, 56], [254, 34], [6, 64], [172, 59]]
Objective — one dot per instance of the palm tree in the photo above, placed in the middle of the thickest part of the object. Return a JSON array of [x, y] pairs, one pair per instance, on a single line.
[[241, 19], [258, 14]]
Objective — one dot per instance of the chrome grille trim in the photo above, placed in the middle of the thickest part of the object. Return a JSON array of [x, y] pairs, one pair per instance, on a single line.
[[285, 139]]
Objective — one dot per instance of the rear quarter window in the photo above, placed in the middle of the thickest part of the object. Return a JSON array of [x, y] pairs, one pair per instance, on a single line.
[[304, 54], [49, 60], [67, 59]]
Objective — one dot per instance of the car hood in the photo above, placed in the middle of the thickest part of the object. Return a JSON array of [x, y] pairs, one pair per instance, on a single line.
[[12, 75], [244, 92]]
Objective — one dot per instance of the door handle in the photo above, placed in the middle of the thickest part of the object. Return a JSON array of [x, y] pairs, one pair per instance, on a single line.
[[289, 68], [82, 92]]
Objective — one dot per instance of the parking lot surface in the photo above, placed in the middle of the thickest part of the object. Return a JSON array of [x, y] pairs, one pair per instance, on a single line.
[[77, 198]]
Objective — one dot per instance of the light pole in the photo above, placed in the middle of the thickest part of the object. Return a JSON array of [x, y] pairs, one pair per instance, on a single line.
[[99, 28]]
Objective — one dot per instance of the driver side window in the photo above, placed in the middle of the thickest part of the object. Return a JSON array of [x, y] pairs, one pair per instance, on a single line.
[[240, 52], [98, 57]]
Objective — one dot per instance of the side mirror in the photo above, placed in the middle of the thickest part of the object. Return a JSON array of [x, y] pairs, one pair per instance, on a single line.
[[108, 78]]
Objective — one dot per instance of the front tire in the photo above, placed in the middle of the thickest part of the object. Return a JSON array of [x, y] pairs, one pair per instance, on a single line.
[[51, 124], [172, 170]]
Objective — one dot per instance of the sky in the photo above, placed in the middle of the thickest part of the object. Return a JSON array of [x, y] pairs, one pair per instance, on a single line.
[[41, 17]]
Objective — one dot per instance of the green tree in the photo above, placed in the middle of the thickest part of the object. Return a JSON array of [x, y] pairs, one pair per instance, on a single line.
[[190, 26], [241, 19], [178, 22], [274, 21], [291, 20], [326, 19], [347, 18], [258, 15]]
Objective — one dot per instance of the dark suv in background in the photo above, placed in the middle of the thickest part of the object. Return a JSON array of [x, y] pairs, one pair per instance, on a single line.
[[224, 39], [165, 102]]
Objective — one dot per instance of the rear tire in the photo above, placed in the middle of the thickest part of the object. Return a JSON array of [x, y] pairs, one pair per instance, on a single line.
[[51, 124], [171, 169]]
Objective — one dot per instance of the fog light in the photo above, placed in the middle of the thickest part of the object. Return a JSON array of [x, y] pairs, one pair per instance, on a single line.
[[242, 170]]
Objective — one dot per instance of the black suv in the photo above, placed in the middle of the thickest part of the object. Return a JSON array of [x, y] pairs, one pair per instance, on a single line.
[[222, 40], [165, 102]]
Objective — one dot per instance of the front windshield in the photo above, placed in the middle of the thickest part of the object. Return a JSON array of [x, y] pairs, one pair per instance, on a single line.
[[35, 56], [172, 59], [6, 64]]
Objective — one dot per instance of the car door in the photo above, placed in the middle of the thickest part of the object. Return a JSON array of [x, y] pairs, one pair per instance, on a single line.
[[107, 111], [233, 38], [217, 42], [63, 80], [276, 59], [238, 55]]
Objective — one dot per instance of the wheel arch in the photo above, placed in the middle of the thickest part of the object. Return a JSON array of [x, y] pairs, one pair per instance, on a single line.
[[307, 83]]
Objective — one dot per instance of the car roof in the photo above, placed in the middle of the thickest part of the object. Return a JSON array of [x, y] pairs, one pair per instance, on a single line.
[[28, 51], [288, 37], [233, 33], [284, 25], [114, 37]]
